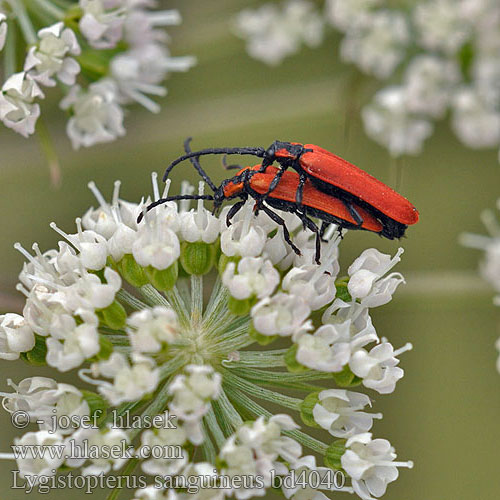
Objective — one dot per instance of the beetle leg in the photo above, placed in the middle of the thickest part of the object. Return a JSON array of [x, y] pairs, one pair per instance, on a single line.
[[256, 208], [314, 228], [234, 210], [275, 181], [354, 213], [276, 218], [246, 177], [300, 190]]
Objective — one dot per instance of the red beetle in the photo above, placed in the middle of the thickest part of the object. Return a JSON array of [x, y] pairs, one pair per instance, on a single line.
[[253, 182], [315, 203], [332, 175]]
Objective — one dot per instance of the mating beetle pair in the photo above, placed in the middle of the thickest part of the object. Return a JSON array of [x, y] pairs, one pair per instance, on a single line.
[[323, 186]]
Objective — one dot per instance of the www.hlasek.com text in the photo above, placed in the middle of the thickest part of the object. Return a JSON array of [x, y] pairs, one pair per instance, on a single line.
[[84, 450]]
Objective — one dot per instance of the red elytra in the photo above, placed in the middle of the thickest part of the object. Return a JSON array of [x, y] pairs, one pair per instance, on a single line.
[[331, 174], [312, 197], [333, 170]]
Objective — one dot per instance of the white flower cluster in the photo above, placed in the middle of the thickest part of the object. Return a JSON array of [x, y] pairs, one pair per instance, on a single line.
[[452, 65], [489, 267], [347, 327], [448, 50], [132, 72], [156, 345], [273, 32]]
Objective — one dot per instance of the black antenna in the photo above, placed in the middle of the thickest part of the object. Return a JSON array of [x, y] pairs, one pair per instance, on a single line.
[[230, 167], [195, 160], [178, 197], [260, 152]]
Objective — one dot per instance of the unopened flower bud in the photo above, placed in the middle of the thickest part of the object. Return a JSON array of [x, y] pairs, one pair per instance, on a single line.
[[197, 258], [132, 272], [163, 279]]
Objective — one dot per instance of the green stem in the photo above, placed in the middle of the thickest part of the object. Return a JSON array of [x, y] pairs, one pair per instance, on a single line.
[[184, 289], [214, 427], [258, 411], [106, 330], [171, 366], [262, 359], [207, 446], [224, 423], [219, 324], [351, 104], [10, 50], [282, 380], [277, 377], [226, 326], [50, 152], [121, 410], [217, 313], [297, 386], [177, 303], [156, 407], [90, 64], [131, 300], [196, 299], [65, 4], [51, 9], [259, 392], [233, 337], [306, 440], [229, 411], [234, 343], [24, 21], [214, 299], [118, 339], [123, 349], [153, 297]]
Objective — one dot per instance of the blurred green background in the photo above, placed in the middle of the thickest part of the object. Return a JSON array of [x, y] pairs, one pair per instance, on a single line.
[[444, 414]]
